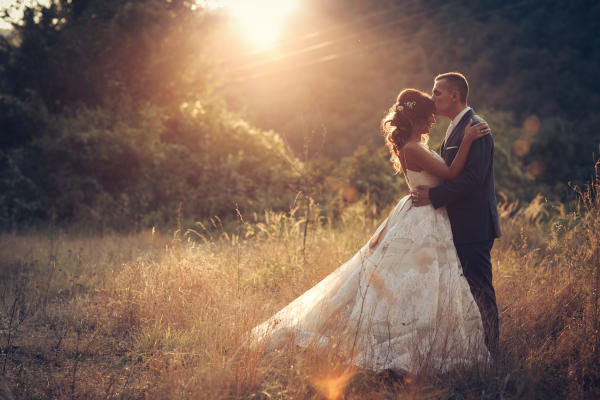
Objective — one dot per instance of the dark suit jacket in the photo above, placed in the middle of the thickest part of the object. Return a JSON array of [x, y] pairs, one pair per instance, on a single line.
[[470, 198]]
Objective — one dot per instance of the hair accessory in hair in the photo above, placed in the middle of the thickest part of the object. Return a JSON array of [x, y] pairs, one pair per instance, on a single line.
[[409, 104]]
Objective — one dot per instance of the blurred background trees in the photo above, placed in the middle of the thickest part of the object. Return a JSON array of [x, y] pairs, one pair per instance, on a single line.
[[109, 118], [129, 114]]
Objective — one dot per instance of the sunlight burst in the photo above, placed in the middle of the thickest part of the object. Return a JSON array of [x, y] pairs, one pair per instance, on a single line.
[[332, 386], [260, 20]]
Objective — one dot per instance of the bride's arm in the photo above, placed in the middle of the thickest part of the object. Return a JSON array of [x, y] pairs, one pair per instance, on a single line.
[[425, 160]]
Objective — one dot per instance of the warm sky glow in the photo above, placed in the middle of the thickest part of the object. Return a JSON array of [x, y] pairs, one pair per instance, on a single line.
[[260, 20]]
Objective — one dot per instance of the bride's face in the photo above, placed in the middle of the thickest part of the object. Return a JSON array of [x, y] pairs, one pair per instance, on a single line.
[[425, 125]]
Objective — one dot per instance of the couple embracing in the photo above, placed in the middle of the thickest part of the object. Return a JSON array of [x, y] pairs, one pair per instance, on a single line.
[[419, 294]]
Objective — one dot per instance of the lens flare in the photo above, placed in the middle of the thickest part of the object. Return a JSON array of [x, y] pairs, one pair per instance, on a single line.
[[331, 385], [535, 168], [531, 126]]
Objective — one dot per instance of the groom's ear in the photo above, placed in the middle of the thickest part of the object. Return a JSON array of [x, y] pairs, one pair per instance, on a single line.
[[455, 96]]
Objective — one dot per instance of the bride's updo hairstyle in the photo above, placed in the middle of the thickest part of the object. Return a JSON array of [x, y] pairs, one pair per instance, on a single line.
[[412, 107]]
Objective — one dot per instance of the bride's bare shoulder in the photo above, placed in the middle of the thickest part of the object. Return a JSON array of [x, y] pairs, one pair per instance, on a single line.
[[414, 148], [410, 146]]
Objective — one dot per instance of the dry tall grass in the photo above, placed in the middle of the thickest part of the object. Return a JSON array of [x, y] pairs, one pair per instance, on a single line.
[[149, 316]]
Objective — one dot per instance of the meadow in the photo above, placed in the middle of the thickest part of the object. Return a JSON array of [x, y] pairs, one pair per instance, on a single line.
[[123, 121], [155, 316]]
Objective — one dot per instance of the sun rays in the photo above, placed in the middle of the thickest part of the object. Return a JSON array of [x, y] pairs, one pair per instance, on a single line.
[[260, 21]]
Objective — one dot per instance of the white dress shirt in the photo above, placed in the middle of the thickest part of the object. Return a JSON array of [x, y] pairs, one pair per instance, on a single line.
[[455, 121]]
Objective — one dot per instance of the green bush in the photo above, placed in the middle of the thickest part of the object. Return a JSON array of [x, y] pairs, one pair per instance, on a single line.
[[131, 168]]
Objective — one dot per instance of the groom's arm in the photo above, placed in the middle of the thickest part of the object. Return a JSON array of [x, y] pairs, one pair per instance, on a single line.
[[472, 176]]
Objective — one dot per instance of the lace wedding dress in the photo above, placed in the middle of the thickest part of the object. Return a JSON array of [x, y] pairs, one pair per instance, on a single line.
[[402, 305]]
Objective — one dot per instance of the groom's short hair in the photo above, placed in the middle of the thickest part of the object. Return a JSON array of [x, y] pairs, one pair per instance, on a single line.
[[458, 82]]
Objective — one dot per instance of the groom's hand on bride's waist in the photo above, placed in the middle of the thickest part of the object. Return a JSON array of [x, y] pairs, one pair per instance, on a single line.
[[420, 196]]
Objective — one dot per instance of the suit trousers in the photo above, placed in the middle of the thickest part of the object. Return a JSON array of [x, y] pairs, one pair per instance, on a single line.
[[477, 267]]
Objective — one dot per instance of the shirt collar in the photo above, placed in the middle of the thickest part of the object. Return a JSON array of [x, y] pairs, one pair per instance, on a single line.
[[461, 114], [455, 121]]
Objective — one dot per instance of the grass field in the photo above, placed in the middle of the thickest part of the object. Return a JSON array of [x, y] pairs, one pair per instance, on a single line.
[[153, 316]]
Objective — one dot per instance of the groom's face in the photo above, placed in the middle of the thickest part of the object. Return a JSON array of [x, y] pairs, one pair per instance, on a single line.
[[442, 97]]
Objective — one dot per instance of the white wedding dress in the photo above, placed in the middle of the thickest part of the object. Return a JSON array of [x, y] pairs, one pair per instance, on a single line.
[[404, 305]]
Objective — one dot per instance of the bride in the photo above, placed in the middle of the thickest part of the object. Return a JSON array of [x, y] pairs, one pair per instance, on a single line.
[[401, 302]]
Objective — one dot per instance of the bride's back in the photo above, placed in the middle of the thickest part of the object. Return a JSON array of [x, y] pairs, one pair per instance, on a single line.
[[418, 178], [421, 178]]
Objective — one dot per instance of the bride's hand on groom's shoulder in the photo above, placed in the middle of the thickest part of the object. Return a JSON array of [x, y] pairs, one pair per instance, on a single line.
[[474, 132], [420, 196]]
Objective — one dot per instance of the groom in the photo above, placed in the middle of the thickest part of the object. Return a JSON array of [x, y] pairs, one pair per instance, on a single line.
[[469, 198]]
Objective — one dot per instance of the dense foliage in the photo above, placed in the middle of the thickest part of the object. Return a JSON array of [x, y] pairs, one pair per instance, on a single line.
[[108, 119], [126, 114]]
